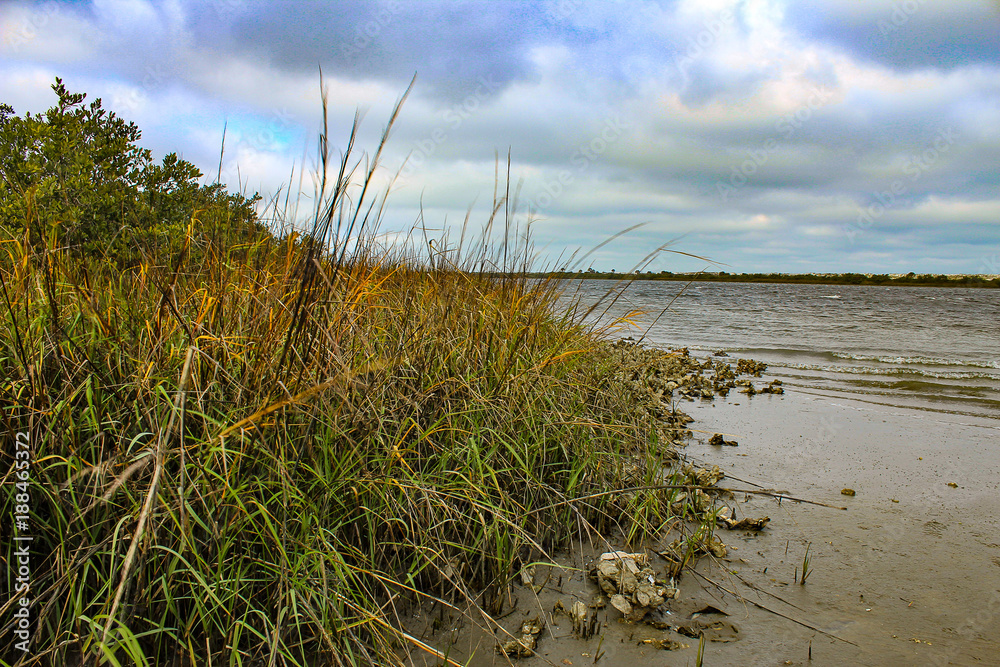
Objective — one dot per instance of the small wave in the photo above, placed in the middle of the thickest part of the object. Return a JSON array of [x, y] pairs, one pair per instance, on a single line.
[[869, 370], [830, 296], [906, 362], [926, 361]]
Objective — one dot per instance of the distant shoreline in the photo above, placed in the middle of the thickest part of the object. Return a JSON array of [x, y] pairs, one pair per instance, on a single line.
[[907, 280]]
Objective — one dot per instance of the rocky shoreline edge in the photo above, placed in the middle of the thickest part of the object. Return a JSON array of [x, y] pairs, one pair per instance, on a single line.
[[612, 584]]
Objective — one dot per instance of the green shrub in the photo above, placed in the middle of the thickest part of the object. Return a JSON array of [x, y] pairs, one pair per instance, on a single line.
[[75, 179]]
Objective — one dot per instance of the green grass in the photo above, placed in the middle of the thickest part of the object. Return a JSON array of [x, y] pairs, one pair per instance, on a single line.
[[806, 570], [266, 457]]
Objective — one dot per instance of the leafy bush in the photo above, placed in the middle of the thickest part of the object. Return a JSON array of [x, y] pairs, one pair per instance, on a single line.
[[75, 178]]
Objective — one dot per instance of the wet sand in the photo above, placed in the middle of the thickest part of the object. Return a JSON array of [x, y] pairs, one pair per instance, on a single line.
[[909, 574], [910, 582]]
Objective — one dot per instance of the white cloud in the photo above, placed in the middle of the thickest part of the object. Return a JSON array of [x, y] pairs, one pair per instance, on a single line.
[[47, 32], [824, 126]]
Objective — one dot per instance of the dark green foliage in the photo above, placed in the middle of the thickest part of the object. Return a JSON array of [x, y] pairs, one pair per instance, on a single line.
[[75, 178]]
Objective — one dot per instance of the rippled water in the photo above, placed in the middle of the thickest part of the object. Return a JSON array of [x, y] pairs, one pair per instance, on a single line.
[[924, 347]]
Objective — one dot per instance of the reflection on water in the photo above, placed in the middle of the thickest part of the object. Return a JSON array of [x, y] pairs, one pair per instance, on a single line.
[[925, 347]]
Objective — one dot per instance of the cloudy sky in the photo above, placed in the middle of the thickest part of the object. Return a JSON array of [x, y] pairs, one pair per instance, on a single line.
[[768, 135]]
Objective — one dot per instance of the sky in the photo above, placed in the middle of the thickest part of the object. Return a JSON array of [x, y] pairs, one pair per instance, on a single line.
[[765, 135]]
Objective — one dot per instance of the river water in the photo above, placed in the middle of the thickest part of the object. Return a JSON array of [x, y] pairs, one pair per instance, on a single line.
[[926, 348]]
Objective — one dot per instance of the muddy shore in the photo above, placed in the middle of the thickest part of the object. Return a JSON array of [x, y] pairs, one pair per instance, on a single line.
[[908, 574]]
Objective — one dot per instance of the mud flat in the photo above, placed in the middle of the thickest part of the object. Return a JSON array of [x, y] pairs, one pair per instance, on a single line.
[[910, 572], [907, 574]]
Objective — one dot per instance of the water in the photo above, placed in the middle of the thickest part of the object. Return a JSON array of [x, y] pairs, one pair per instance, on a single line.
[[935, 349]]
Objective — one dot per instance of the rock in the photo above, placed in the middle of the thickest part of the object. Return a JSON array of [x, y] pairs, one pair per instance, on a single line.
[[774, 387], [678, 551], [751, 524], [718, 441], [716, 547], [619, 602], [750, 367], [714, 631], [726, 518], [615, 572], [631, 561], [704, 476], [633, 591], [847, 492], [702, 501], [665, 644], [523, 646], [578, 614]]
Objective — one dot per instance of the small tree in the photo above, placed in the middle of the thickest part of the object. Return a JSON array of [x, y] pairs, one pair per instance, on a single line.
[[77, 176]]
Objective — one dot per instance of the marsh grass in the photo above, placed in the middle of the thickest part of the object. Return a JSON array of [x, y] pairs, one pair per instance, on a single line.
[[806, 569], [268, 457]]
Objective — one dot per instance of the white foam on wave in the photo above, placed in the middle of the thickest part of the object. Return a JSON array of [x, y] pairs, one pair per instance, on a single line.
[[868, 370], [927, 361]]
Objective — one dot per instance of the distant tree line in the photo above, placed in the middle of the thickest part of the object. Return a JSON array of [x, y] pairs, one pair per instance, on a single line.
[[926, 279]]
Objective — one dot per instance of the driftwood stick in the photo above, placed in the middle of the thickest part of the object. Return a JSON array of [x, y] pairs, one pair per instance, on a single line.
[[687, 487], [753, 586], [776, 613]]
